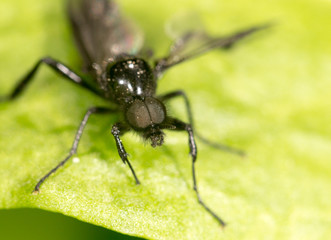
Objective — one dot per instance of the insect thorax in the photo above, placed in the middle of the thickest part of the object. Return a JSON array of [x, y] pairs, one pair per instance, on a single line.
[[128, 79]]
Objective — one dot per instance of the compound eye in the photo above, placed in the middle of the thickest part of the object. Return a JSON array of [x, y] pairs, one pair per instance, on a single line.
[[156, 110], [138, 116], [143, 113]]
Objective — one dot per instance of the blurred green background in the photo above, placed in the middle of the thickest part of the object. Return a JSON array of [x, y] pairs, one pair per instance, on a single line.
[[270, 95], [38, 224]]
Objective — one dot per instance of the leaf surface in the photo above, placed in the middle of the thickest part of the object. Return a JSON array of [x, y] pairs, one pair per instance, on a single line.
[[270, 96]]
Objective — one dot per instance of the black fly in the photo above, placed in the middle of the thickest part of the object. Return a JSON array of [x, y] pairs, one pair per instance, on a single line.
[[112, 57]]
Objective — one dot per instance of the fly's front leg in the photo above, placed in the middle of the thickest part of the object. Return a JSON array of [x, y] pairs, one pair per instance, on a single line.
[[180, 93], [177, 125], [59, 68], [117, 130], [74, 147]]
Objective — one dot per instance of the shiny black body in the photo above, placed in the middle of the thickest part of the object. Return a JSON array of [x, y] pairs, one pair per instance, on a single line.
[[126, 79], [130, 83]]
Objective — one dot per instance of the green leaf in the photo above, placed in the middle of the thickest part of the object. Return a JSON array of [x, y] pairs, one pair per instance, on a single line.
[[269, 95], [33, 223]]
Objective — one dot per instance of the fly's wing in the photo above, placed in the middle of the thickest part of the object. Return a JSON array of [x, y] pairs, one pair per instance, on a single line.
[[197, 42], [101, 32]]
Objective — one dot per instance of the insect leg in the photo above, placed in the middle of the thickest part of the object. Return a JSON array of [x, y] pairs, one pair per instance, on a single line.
[[180, 93], [194, 44], [58, 67], [175, 124], [74, 147], [117, 130]]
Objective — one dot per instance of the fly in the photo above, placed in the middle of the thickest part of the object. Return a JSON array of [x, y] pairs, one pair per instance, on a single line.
[[110, 46]]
